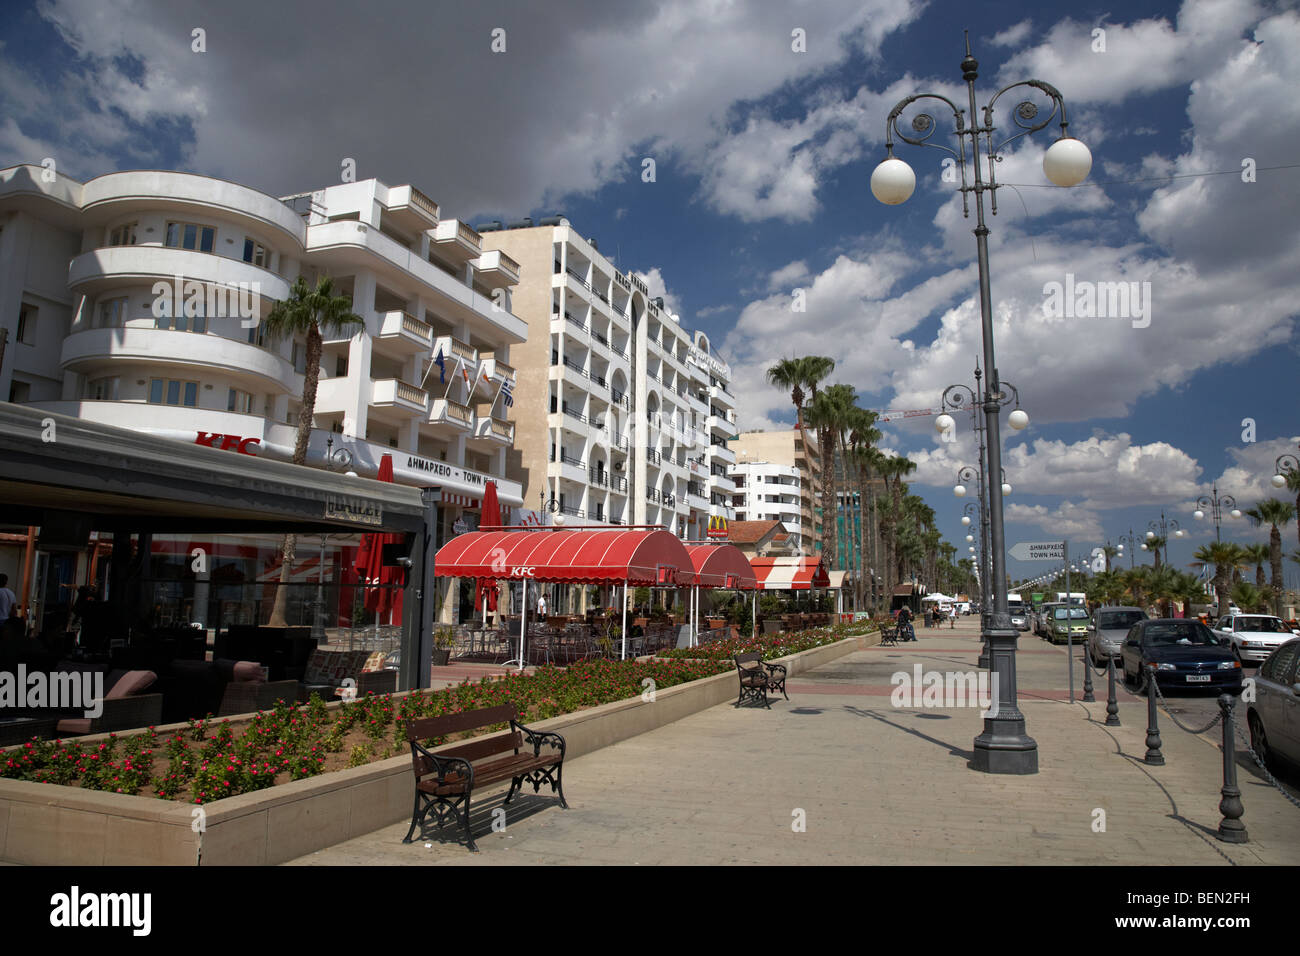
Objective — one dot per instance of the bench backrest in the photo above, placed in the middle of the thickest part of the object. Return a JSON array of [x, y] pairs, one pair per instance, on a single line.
[[428, 727], [748, 662]]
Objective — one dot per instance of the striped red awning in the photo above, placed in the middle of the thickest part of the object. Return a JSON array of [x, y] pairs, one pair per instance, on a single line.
[[797, 573], [721, 566], [579, 555], [455, 498]]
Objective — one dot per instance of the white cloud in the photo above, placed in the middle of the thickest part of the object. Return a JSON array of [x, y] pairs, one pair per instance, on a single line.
[[1012, 36], [1068, 520], [654, 280]]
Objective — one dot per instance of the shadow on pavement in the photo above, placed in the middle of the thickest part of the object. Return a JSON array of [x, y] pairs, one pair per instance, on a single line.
[[955, 751]]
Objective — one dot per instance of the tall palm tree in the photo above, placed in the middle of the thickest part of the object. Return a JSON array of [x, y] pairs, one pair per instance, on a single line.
[[1155, 544], [1109, 551], [307, 312], [830, 414], [1276, 514], [1248, 597], [802, 376], [1257, 554], [1225, 556]]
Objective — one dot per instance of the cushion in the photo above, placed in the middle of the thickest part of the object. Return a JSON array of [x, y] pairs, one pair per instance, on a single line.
[[130, 684], [248, 672], [74, 725]]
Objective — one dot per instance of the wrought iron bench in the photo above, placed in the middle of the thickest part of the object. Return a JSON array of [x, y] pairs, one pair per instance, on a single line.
[[888, 635], [446, 780], [757, 677]]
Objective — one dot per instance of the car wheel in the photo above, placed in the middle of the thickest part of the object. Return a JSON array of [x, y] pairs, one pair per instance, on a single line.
[[1258, 739]]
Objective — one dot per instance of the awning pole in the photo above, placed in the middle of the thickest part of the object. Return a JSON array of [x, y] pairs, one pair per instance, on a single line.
[[523, 627], [753, 613], [695, 616], [622, 654], [485, 608]]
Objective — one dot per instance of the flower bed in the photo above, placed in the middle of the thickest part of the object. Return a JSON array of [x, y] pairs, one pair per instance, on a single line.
[[211, 760], [771, 646]]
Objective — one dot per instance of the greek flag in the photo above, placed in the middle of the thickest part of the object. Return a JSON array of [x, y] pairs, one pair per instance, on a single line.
[[507, 394]]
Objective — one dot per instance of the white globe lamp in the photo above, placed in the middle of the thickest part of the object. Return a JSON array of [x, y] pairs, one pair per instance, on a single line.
[[1018, 420], [892, 182], [1067, 162]]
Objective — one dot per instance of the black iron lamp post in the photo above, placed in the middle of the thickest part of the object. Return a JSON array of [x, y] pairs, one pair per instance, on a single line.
[[1133, 542], [1215, 503], [1284, 467], [1160, 529], [1003, 747]]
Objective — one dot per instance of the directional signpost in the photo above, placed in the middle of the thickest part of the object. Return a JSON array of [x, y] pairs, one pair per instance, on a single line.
[[1052, 551]]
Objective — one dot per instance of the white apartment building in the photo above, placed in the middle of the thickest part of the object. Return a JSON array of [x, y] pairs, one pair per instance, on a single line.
[[766, 491], [134, 299], [621, 414]]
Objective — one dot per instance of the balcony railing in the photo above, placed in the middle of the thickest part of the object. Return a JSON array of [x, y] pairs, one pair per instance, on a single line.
[[570, 510], [653, 495], [670, 501], [575, 414], [502, 369], [569, 364], [503, 429], [618, 483], [653, 456], [409, 393], [598, 477], [462, 413], [570, 460], [424, 202]]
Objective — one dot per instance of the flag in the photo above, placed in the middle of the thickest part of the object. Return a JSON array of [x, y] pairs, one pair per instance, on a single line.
[[442, 367], [465, 373], [507, 394]]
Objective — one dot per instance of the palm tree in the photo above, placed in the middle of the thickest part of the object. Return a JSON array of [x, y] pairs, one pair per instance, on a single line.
[[798, 374], [308, 312], [1109, 551], [830, 412], [1276, 514], [1257, 554], [1248, 597], [1155, 544], [1163, 586], [1135, 583], [1225, 556]]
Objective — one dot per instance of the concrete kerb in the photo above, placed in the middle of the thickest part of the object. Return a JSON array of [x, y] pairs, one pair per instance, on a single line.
[[46, 824]]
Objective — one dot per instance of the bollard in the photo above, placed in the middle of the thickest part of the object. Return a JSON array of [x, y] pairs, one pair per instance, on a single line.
[[1231, 829], [1153, 755], [1112, 705], [1088, 698]]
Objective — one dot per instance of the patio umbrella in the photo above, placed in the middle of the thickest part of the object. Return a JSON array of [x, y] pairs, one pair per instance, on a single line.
[[379, 581], [485, 590]]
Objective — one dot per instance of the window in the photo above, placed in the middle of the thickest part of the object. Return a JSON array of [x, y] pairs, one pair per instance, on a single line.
[[256, 253], [170, 392], [19, 392], [299, 358], [182, 322], [111, 315], [241, 402], [26, 324], [257, 335], [341, 367], [102, 389], [123, 235], [189, 235]]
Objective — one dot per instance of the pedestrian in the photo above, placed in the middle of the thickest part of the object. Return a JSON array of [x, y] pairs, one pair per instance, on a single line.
[[541, 608], [952, 617], [7, 599], [905, 624]]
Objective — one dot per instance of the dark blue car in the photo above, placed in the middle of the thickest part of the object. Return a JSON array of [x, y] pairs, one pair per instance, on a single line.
[[1185, 654]]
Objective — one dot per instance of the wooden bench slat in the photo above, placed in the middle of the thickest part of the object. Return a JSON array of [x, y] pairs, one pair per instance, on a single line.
[[485, 747], [428, 727]]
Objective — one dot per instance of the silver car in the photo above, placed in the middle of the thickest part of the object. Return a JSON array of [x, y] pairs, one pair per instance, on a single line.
[[1274, 716], [1107, 629]]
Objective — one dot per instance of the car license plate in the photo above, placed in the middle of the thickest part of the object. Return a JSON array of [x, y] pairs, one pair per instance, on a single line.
[[1198, 678]]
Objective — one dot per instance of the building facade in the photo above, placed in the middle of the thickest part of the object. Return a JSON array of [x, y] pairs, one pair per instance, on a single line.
[[778, 479], [136, 299], [621, 415]]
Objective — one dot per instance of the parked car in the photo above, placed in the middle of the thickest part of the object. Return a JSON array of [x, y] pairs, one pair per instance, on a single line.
[[1255, 636], [1066, 621], [1185, 653], [1042, 618], [1107, 630], [1274, 716]]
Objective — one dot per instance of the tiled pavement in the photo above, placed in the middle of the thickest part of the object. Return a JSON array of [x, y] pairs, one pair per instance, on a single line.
[[874, 784]]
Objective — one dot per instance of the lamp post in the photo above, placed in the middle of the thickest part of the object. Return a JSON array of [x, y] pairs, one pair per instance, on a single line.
[[1003, 747], [1160, 529], [1284, 467], [1216, 503], [1133, 543]]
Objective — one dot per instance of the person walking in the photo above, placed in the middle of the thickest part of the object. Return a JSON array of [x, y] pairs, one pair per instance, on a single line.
[[905, 629], [541, 608], [7, 599]]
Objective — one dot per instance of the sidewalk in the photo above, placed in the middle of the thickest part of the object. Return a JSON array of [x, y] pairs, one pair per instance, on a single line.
[[876, 784]]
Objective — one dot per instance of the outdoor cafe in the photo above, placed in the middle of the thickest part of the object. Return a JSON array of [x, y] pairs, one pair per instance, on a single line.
[[613, 559]]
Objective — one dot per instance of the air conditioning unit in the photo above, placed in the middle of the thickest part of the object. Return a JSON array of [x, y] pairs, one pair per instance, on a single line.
[[618, 465]]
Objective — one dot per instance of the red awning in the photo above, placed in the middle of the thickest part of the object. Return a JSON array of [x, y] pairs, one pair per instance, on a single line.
[[797, 573], [721, 566], [586, 556]]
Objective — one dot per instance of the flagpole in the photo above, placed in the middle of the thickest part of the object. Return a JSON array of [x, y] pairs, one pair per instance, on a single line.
[[460, 363]]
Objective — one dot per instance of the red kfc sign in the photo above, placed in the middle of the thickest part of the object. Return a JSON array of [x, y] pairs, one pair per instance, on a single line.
[[227, 442]]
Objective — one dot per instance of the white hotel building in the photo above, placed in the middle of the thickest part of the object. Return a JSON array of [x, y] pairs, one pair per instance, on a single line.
[[84, 266], [622, 415]]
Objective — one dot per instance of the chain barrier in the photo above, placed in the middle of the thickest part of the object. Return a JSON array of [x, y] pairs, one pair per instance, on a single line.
[[1172, 716]]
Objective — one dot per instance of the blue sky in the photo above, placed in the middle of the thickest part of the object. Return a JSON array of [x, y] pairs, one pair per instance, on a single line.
[[763, 157]]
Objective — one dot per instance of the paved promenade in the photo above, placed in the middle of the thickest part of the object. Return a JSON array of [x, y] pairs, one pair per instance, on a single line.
[[876, 784]]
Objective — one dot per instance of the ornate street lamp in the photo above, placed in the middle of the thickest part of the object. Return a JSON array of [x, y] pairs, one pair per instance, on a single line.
[[1160, 529], [1003, 747], [1216, 503], [1285, 465]]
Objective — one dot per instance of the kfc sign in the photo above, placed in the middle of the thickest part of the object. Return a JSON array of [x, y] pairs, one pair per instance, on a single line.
[[228, 442]]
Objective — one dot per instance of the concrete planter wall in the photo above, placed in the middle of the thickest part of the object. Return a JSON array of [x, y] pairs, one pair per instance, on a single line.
[[44, 824]]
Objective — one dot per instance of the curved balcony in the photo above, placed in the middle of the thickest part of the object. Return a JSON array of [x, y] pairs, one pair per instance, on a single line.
[[85, 351], [102, 269], [115, 194]]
